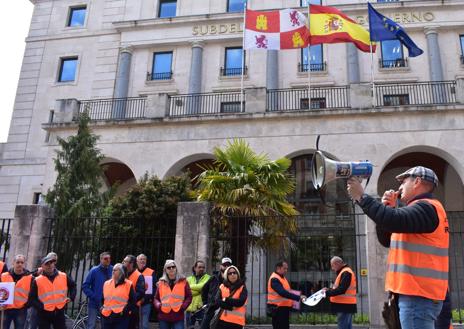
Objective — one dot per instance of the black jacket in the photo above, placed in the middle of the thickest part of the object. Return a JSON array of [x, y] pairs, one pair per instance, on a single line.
[[230, 302], [211, 288], [34, 298], [344, 284], [420, 217]]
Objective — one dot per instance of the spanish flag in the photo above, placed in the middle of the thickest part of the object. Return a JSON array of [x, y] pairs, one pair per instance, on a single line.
[[329, 25]]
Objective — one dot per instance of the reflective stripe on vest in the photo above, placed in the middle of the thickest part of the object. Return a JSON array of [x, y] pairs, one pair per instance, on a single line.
[[418, 262], [115, 297], [52, 294], [237, 314], [133, 278], [21, 290], [273, 297], [349, 297], [171, 299]]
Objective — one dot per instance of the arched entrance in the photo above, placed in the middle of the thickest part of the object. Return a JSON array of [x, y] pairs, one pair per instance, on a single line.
[[116, 172], [192, 165]]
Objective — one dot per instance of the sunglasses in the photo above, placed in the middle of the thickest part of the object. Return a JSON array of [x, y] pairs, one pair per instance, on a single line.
[[231, 273], [170, 267]]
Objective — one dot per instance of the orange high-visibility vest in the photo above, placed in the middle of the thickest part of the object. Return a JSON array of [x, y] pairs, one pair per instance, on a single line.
[[133, 278], [147, 272], [273, 297], [2, 265], [349, 297], [52, 294], [171, 299], [237, 314], [21, 290], [418, 262], [115, 297]]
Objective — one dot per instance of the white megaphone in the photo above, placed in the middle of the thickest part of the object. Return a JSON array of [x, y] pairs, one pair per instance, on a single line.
[[325, 170]]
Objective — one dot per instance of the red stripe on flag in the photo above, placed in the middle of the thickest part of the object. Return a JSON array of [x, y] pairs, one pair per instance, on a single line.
[[298, 38], [263, 21], [340, 38], [316, 9]]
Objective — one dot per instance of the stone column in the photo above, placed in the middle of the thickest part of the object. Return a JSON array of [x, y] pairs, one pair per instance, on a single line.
[[192, 235], [196, 67], [272, 76], [30, 231], [433, 50], [352, 63], [121, 88]]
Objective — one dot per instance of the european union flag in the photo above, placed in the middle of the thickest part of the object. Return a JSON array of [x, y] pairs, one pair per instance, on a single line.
[[383, 28]]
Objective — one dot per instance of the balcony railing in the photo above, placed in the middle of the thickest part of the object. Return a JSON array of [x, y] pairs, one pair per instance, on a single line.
[[159, 76], [389, 64], [205, 103], [297, 99], [418, 93], [315, 67], [114, 108], [232, 71]]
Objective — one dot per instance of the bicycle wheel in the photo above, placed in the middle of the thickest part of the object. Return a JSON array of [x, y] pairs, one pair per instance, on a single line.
[[81, 323]]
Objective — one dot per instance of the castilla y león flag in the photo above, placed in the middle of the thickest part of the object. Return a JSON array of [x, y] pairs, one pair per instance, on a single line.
[[330, 25], [278, 29]]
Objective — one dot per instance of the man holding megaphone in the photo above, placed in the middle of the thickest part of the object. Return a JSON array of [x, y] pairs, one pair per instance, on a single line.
[[418, 238]]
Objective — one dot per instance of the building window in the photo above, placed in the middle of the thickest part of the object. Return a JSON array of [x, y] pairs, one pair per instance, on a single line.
[[392, 54], [461, 38], [77, 16], [305, 3], [68, 67], [316, 59], [162, 63], [167, 8], [396, 100], [316, 103], [235, 6], [233, 61]]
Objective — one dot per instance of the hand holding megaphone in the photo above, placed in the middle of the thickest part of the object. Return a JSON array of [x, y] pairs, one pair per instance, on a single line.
[[354, 188]]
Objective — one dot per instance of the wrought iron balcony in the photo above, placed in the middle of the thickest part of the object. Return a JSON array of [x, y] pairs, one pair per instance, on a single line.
[[297, 99], [417, 93], [389, 64], [315, 67], [159, 76], [205, 103], [233, 71], [114, 108]]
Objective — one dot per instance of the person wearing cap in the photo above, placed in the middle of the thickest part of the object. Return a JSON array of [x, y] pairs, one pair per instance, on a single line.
[[343, 293], [50, 292], [196, 281], [148, 274], [22, 279], [279, 298], [232, 298], [210, 291], [138, 284], [418, 237], [118, 300], [172, 298], [93, 287]]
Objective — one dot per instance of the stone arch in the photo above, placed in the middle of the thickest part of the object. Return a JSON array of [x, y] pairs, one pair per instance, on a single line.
[[191, 164], [117, 172], [446, 166]]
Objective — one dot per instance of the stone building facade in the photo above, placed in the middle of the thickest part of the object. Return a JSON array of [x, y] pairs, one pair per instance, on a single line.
[[162, 122]]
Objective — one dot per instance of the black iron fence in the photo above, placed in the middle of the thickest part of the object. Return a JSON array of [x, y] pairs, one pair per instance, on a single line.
[[417, 93], [159, 76], [233, 71], [293, 99], [456, 254], [256, 244], [399, 62], [5, 237], [114, 108], [315, 67], [205, 103]]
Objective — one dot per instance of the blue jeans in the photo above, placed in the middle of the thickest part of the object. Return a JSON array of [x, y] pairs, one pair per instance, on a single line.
[[418, 312], [92, 313], [146, 310], [18, 317], [344, 320], [115, 323], [171, 325]]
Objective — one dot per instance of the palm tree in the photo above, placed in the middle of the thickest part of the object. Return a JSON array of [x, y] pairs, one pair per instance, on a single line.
[[248, 192]]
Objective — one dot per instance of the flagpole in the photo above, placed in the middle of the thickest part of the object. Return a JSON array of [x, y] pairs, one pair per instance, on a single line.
[[242, 96], [372, 75], [309, 57]]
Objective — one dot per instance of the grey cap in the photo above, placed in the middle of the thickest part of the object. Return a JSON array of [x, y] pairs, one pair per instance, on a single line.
[[419, 171], [48, 258]]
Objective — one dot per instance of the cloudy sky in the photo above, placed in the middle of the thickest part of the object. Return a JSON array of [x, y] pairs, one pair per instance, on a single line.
[[14, 26]]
